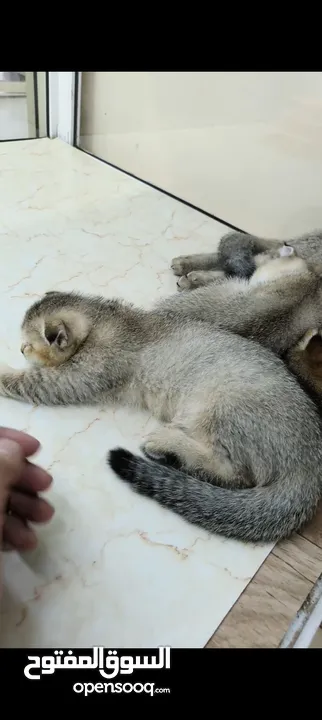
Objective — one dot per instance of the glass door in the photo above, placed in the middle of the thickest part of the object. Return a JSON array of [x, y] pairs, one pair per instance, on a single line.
[[22, 105]]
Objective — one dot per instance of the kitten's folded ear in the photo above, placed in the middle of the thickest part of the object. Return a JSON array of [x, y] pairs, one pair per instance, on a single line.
[[56, 335]]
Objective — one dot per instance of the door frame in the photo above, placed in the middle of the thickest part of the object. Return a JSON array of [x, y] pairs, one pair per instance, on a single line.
[[63, 105], [35, 91]]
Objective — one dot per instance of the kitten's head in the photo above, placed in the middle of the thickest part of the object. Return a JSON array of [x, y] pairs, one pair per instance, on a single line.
[[290, 262], [53, 330], [288, 251]]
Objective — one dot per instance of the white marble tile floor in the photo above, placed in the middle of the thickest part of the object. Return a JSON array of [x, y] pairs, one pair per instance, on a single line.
[[112, 568]]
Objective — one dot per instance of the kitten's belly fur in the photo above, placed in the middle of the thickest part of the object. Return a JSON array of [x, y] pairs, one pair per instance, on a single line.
[[189, 369]]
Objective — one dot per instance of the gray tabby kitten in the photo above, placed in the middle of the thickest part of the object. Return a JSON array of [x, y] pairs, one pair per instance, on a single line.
[[245, 436], [239, 255], [244, 256]]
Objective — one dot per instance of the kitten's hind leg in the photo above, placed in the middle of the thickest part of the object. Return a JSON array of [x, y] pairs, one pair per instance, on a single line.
[[169, 445], [199, 278], [184, 264]]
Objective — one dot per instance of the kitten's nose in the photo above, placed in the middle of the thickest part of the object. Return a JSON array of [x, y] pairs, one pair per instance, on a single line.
[[23, 347]]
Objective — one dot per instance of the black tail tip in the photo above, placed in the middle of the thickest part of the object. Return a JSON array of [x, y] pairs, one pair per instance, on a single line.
[[122, 463]]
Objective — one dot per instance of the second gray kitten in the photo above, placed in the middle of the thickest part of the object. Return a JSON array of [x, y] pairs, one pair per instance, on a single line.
[[238, 255]]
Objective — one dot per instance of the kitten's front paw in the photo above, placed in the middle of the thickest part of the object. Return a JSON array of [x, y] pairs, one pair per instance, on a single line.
[[189, 281], [6, 373], [182, 265]]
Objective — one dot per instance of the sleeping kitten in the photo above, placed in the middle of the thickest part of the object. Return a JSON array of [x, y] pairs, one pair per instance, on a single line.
[[276, 313], [305, 357], [239, 255], [246, 437]]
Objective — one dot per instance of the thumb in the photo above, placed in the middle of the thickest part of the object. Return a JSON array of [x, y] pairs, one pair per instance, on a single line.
[[11, 458]]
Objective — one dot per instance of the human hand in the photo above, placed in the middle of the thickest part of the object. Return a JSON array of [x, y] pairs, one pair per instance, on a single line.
[[20, 484]]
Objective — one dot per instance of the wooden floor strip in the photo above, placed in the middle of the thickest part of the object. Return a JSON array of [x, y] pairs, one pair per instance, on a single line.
[[263, 613], [313, 531]]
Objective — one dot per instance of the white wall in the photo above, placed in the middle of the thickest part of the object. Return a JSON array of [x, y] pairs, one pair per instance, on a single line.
[[246, 147]]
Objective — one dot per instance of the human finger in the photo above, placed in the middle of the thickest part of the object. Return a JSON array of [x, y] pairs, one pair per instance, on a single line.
[[34, 478], [28, 444], [30, 507], [11, 464], [18, 535]]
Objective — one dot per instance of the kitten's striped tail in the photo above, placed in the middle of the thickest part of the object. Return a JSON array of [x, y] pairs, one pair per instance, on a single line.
[[261, 514]]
